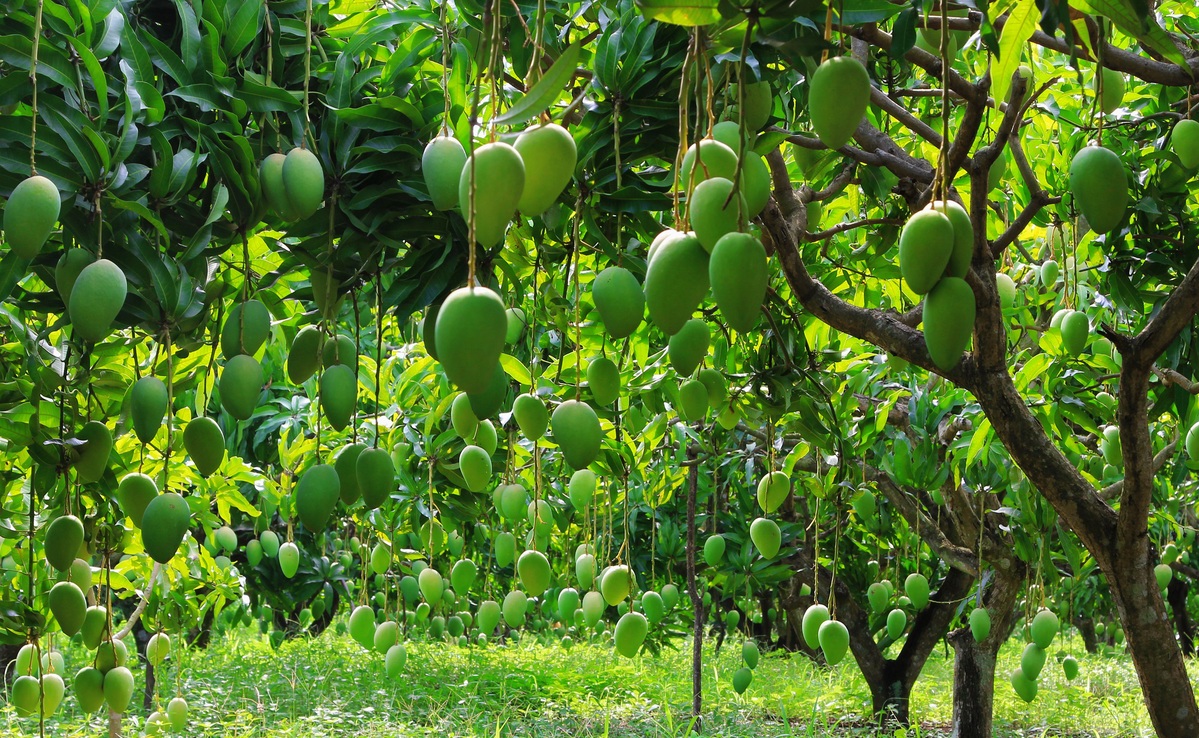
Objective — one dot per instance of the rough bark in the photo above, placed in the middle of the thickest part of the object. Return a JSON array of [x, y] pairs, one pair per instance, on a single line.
[[974, 663]]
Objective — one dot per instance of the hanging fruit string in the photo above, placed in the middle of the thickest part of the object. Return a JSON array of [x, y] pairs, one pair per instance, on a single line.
[[307, 73], [828, 33], [742, 134], [619, 181], [575, 248], [166, 456], [684, 126], [432, 510], [37, 37], [270, 71], [378, 346], [445, 68], [943, 156]]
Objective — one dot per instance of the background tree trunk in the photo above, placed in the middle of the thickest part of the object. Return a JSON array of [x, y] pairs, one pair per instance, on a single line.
[[974, 662]]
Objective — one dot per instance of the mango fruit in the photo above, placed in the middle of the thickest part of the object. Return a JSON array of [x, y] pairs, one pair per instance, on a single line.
[[499, 173], [838, 94], [92, 457], [339, 395], [603, 379], [304, 356], [376, 477], [471, 326], [1099, 187], [246, 329], [164, 524], [963, 236], [630, 633], [676, 282], [30, 215], [304, 182], [926, 244], [135, 493], [441, 165], [619, 300], [576, 430], [316, 495], [96, 297], [67, 270], [240, 384], [205, 444], [739, 275], [713, 212], [147, 407], [64, 536], [949, 311], [531, 416], [549, 155]]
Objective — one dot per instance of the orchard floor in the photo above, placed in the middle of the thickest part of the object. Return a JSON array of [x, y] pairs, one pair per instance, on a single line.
[[329, 686]]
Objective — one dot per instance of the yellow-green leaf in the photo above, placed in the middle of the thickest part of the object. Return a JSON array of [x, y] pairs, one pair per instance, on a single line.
[[1019, 28], [681, 12]]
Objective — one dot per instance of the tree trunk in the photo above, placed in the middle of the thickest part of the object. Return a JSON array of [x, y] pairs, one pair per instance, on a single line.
[[1176, 595], [1155, 653], [974, 662], [973, 685], [1086, 628]]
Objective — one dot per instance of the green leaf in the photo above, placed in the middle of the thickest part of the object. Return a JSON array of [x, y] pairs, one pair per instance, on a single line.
[[1016, 32], [681, 12], [513, 368], [903, 34], [856, 12], [94, 72], [541, 95], [1142, 27], [243, 18], [267, 98]]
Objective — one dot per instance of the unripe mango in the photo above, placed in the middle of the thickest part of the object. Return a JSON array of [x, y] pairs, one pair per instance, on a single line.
[[549, 156], [164, 524], [499, 174], [1100, 187], [689, 346], [441, 165], [246, 329], [339, 395], [676, 282], [708, 158], [96, 297], [316, 495], [471, 326], [963, 236], [270, 182], [205, 444], [739, 274], [620, 301], [304, 182], [67, 270], [603, 379], [925, 247], [30, 215], [577, 431], [304, 356], [135, 494], [713, 212], [948, 321], [838, 94], [1184, 140], [240, 384], [92, 460], [147, 407]]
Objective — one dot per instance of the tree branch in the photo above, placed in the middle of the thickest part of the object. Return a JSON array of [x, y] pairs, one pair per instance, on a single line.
[[1159, 460], [1175, 314]]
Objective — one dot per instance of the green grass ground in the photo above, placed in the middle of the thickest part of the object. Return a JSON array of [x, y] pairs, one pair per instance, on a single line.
[[329, 686]]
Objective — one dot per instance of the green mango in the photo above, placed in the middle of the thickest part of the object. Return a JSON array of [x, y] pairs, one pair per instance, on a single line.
[[475, 466], [834, 641], [270, 181], [488, 616], [949, 311], [517, 322], [395, 660], [1006, 289], [739, 275], [1070, 668], [270, 543], [693, 401], [486, 437], [462, 575], [1099, 187], [240, 385], [89, 689], [531, 416], [67, 270], [615, 583], [514, 501], [838, 94], [1023, 685], [676, 282], [1184, 141], [963, 236], [750, 654], [92, 460], [630, 633], [96, 297], [68, 605], [705, 159], [326, 292], [64, 536], [878, 596], [487, 403], [1076, 329], [766, 536], [164, 524], [773, 490], [30, 214], [289, 559], [758, 104], [716, 385], [316, 496], [603, 379], [94, 621], [205, 444], [1111, 93], [1044, 627], [118, 689], [471, 326], [246, 329], [346, 467], [1164, 574], [386, 635], [815, 616], [577, 431], [177, 713], [916, 588], [533, 568], [499, 173], [742, 678], [897, 623], [304, 182], [713, 212], [549, 155], [376, 477], [688, 347], [585, 567], [1032, 660], [147, 407], [619, 300], [304, 356], [463, 418], [339, 395], [714, 549], [441, 165], [582, 488], [925, 247], [428, 330], [135, 493], [515, 608], [26, 695]]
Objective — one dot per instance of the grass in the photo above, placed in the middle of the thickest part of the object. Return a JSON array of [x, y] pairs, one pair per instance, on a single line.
[[330, 686]]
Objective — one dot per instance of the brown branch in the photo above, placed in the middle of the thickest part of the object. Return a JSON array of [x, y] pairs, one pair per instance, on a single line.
[[843, 227], [1114, 489], [1175, 314], [931, 64], [1171, 377], [900, 113]]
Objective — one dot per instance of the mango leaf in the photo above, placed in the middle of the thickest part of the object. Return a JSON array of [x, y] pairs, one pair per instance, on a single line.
[[1016, 32], [1140, 26], [856, 12], [681, 12], [541, 95]]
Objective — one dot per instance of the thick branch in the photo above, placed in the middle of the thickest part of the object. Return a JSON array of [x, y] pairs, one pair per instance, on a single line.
[[1159, 460], [1175, 314]]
